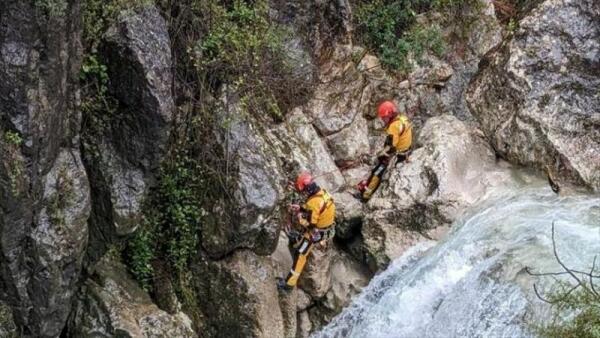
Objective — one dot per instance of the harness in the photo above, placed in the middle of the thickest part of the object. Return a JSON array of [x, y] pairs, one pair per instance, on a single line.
[[405, 123]]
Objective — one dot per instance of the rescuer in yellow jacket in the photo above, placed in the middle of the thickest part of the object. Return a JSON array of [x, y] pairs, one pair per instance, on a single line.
[[317, 219], [398, 142]]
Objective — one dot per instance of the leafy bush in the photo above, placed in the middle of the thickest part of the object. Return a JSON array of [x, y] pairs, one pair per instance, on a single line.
[[172, 221], [98, 15], [52, 8], [13, 138], [579, 299], [390, 29], [584, 303], [241, 47]]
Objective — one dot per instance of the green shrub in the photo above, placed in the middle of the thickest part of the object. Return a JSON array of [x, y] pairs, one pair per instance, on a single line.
[[52, 8], [14, 164], [583, 303], [171, 228], [98, 15], [13, 138], [241, 47], [390, 29], [140, 252]]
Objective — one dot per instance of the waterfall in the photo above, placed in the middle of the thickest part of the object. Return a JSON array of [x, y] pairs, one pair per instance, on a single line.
[[474, 283]]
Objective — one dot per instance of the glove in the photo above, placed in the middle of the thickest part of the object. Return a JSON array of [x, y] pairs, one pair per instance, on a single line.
[[294, 208], [315, 235]]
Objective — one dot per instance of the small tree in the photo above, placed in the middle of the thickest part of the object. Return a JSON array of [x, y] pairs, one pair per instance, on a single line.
[[580, 296]]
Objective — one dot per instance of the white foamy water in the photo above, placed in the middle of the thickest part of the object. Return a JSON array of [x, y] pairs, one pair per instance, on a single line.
[[474, 283]]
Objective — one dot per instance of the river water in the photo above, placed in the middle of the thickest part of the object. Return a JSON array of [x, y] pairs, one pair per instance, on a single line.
[[474, 283]]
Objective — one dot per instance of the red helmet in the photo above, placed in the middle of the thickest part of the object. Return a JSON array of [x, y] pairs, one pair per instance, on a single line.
[[387, 110], [303, 180]]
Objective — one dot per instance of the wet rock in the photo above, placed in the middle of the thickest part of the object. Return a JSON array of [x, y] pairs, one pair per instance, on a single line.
[[123, 149], [452, 168], [348, 277], [44, 194], [536, 97], [239, 296], [330, 279], [111, 304]]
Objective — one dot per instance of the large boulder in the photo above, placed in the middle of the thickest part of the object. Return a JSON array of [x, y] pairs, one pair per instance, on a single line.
[[348, 277], [44, 192], [250, 216], [537, 95], [124, 146], [112, 304], [452, 168], [238, 296]]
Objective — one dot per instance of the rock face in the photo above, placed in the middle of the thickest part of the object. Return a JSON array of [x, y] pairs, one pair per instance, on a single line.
[[451, 169], [251, 218], [123, 148], [537, 96], [438, 85], [111, 304], [238, 296], [45, 198]]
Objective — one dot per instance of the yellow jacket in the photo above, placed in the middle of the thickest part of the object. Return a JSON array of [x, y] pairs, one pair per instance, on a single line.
[[400, 134], [321, 210]]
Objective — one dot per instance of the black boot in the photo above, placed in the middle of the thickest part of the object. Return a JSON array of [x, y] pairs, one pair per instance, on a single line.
[[282, 285]]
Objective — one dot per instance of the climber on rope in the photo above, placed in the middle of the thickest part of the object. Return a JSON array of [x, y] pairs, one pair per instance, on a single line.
[[316, 221], [398, 142]]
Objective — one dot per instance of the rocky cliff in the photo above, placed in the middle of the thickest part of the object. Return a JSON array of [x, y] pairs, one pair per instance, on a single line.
[[143, 196]]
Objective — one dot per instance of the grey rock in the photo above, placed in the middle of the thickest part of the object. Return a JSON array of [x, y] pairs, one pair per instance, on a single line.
[[239, 296], [303, 301], [537, 96], [61, 234], [304, 325], [438, 85], [112, 304], [316, 277], [44, 189], [320, 23], [452, 168], [252, 216], [123, 149], [137, 50], [298, 140], [351, 143], [349, 215], [348, 279]]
